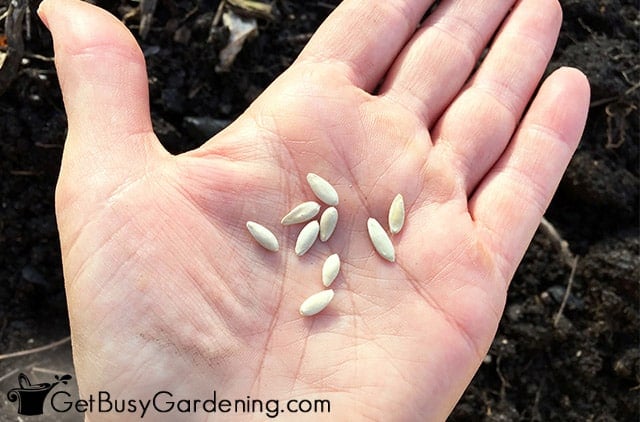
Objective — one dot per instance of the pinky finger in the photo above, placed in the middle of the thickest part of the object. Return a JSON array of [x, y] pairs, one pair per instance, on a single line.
[[509, 202]]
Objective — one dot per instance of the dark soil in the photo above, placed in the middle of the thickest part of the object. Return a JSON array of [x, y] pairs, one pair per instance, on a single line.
[[581, 366]]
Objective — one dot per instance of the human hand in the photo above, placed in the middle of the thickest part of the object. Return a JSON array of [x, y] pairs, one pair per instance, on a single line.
[[166, 289]]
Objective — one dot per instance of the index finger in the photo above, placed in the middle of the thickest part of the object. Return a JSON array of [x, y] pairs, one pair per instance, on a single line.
[[364, 37]]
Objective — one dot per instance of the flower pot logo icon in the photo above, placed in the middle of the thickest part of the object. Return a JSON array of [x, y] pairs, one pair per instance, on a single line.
[[31, 397]]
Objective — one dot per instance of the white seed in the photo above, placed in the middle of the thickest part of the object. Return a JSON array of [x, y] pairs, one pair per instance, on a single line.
[[380, 240], [330, 269], [307, 237], [328, 221], [301, 213], [263, 236], [316, 302], [323, 189], [396, 214]]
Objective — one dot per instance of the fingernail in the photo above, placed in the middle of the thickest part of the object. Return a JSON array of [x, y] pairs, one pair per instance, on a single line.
[[41, 13]]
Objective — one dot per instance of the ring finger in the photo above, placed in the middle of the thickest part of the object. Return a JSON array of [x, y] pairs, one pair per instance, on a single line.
[[439, 58], [476, 128]]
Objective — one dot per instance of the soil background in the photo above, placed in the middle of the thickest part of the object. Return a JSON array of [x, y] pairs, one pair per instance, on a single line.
[[582, 365]]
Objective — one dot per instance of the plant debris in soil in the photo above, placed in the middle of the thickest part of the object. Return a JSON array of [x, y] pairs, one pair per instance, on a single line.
[[568, 345]]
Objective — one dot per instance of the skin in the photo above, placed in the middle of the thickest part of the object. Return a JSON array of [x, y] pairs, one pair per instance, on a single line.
[[166, 288]]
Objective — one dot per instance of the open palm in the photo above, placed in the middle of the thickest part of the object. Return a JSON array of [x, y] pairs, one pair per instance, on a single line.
[[166, 288]]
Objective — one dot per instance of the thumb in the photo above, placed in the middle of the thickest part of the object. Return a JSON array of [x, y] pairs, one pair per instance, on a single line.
[[104, 85]]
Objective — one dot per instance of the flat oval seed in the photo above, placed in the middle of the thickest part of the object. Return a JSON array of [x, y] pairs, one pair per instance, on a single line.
[[323, 189], [316, 302], [330, 269], [307, 237], [301, 213], [380, 240], [328, 221], [263, 236], [396, 214]]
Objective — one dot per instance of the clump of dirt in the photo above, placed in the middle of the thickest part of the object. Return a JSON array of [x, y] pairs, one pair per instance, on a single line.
[[580, 365]]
